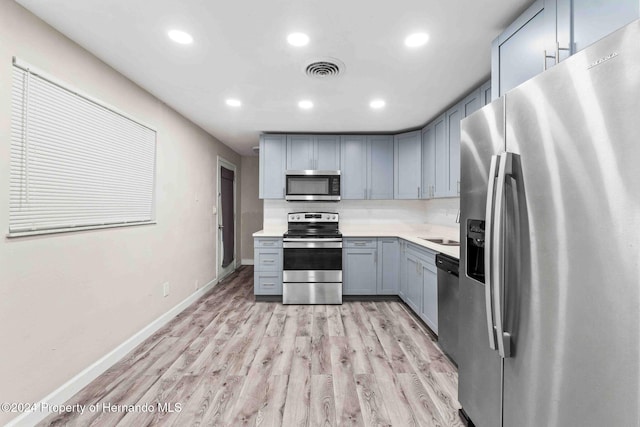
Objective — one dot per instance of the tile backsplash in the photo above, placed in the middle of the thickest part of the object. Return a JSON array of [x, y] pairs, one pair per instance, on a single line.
[[357, 212]]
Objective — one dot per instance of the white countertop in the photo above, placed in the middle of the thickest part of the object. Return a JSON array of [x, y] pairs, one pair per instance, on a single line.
[[408, 232]]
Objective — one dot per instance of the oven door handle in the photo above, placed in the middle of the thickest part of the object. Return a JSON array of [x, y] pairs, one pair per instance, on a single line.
[[292, 239], [312, 243]]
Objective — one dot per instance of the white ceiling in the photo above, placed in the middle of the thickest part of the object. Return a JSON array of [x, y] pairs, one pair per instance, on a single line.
[[240, 50]]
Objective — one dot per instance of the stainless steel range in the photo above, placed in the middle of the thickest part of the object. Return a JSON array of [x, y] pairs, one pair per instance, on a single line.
[[312, 261]]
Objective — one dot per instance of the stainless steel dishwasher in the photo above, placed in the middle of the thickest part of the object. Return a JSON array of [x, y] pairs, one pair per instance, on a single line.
[[448, 305]]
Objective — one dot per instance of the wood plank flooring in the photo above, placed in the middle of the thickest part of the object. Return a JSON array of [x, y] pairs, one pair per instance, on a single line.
[[230, 361]]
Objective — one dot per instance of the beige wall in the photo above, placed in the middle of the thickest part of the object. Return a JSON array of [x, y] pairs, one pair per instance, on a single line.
[[68, 299], [252, 206]]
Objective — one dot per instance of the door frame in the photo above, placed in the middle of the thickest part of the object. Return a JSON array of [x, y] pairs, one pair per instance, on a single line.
[[221, 272]]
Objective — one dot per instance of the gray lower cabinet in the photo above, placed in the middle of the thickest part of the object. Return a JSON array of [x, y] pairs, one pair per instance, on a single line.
[[359, 272], [388, 281], [272, 166], [407, 165], [267, 270], [429, 276], [420, 283]]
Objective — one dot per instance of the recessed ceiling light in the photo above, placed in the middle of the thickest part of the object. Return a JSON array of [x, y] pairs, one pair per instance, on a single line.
[[416, 39], [305, 104], [180, 37], [298, 39], [231, 102], [377, 104]]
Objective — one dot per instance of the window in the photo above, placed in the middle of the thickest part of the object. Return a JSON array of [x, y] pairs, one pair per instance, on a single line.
[[75, 162]]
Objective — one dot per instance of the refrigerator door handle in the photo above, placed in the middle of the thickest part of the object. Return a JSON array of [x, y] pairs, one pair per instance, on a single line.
[[504, 340], [488, 228]]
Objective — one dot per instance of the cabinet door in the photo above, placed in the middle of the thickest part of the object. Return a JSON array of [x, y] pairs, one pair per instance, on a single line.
[[402, 292], [454, 116], [388, 266], [407, 165], [441, 186], [326, 153], [429, 276], [380, 167], [300, 152], [594, 19], [428, 162], [353, 178], [359, 271], [272, 166], [485, 94], [413, 292], [518, 53]]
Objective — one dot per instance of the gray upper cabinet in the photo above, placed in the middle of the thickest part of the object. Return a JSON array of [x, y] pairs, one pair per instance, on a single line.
[[441, 186], [407, 165], [300, 152], [594, 19], [353, 179], [272, 166], [367, 167], [428, 162], [550, 31], [518, 53], [380, 167], [454, 116], [317, 152], [388, 266], [485, 94], [327, 152]]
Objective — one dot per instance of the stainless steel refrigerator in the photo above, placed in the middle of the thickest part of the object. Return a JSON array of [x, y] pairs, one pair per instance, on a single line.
[[550, 255]]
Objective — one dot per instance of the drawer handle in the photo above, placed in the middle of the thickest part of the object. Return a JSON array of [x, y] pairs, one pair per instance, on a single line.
[[360, 243], [268, 261], [268, 244], [271, 285]]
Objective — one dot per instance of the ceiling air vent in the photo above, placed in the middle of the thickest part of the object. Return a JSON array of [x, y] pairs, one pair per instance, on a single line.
[[324, 68]]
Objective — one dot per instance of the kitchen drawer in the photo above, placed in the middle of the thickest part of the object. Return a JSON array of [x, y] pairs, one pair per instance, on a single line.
[[267, 242], [267, 259], [366, 243], [267, 283]]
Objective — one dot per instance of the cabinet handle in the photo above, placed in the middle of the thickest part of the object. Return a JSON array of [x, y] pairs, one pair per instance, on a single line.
[[433, 191], [544, 63], [558, 49], [268, 284], [268, 261], [418, 191], [458, 187], [267, 244], [365, 193], [360, 243], [375, 257]]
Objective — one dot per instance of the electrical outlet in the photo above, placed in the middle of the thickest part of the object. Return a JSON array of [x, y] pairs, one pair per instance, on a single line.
[[197, 284], [165, 289]]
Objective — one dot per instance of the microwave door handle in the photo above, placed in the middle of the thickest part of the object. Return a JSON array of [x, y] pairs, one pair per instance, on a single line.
[[504, 339], [488, 276]]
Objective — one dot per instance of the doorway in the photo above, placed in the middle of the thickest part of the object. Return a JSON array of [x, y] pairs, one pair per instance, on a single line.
[[226, 249]]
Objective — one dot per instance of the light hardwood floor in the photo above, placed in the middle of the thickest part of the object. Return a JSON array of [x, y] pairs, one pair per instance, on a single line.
[[230, 361]]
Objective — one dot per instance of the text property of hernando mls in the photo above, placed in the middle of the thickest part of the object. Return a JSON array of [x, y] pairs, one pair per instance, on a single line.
[[165, 408]]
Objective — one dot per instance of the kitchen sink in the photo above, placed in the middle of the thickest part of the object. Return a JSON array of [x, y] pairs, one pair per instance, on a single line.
[[444, 242]]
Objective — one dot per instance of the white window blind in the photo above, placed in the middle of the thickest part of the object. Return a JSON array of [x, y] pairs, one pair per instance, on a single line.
[[75, 163]]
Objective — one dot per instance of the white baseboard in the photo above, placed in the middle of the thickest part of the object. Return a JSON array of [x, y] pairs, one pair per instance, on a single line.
[[246, 261], [77, 383]]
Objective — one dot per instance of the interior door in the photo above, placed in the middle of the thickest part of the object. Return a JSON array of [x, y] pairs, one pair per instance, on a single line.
[[227, 221], [572, 244]]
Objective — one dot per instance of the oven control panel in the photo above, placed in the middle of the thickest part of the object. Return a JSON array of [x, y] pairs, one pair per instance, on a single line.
[[313, 217]]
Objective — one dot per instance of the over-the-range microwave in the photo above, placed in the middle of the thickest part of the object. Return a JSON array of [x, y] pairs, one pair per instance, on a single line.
[[312, 185]]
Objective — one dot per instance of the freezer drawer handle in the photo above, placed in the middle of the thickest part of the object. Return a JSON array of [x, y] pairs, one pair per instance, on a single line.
[[488, 277]]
